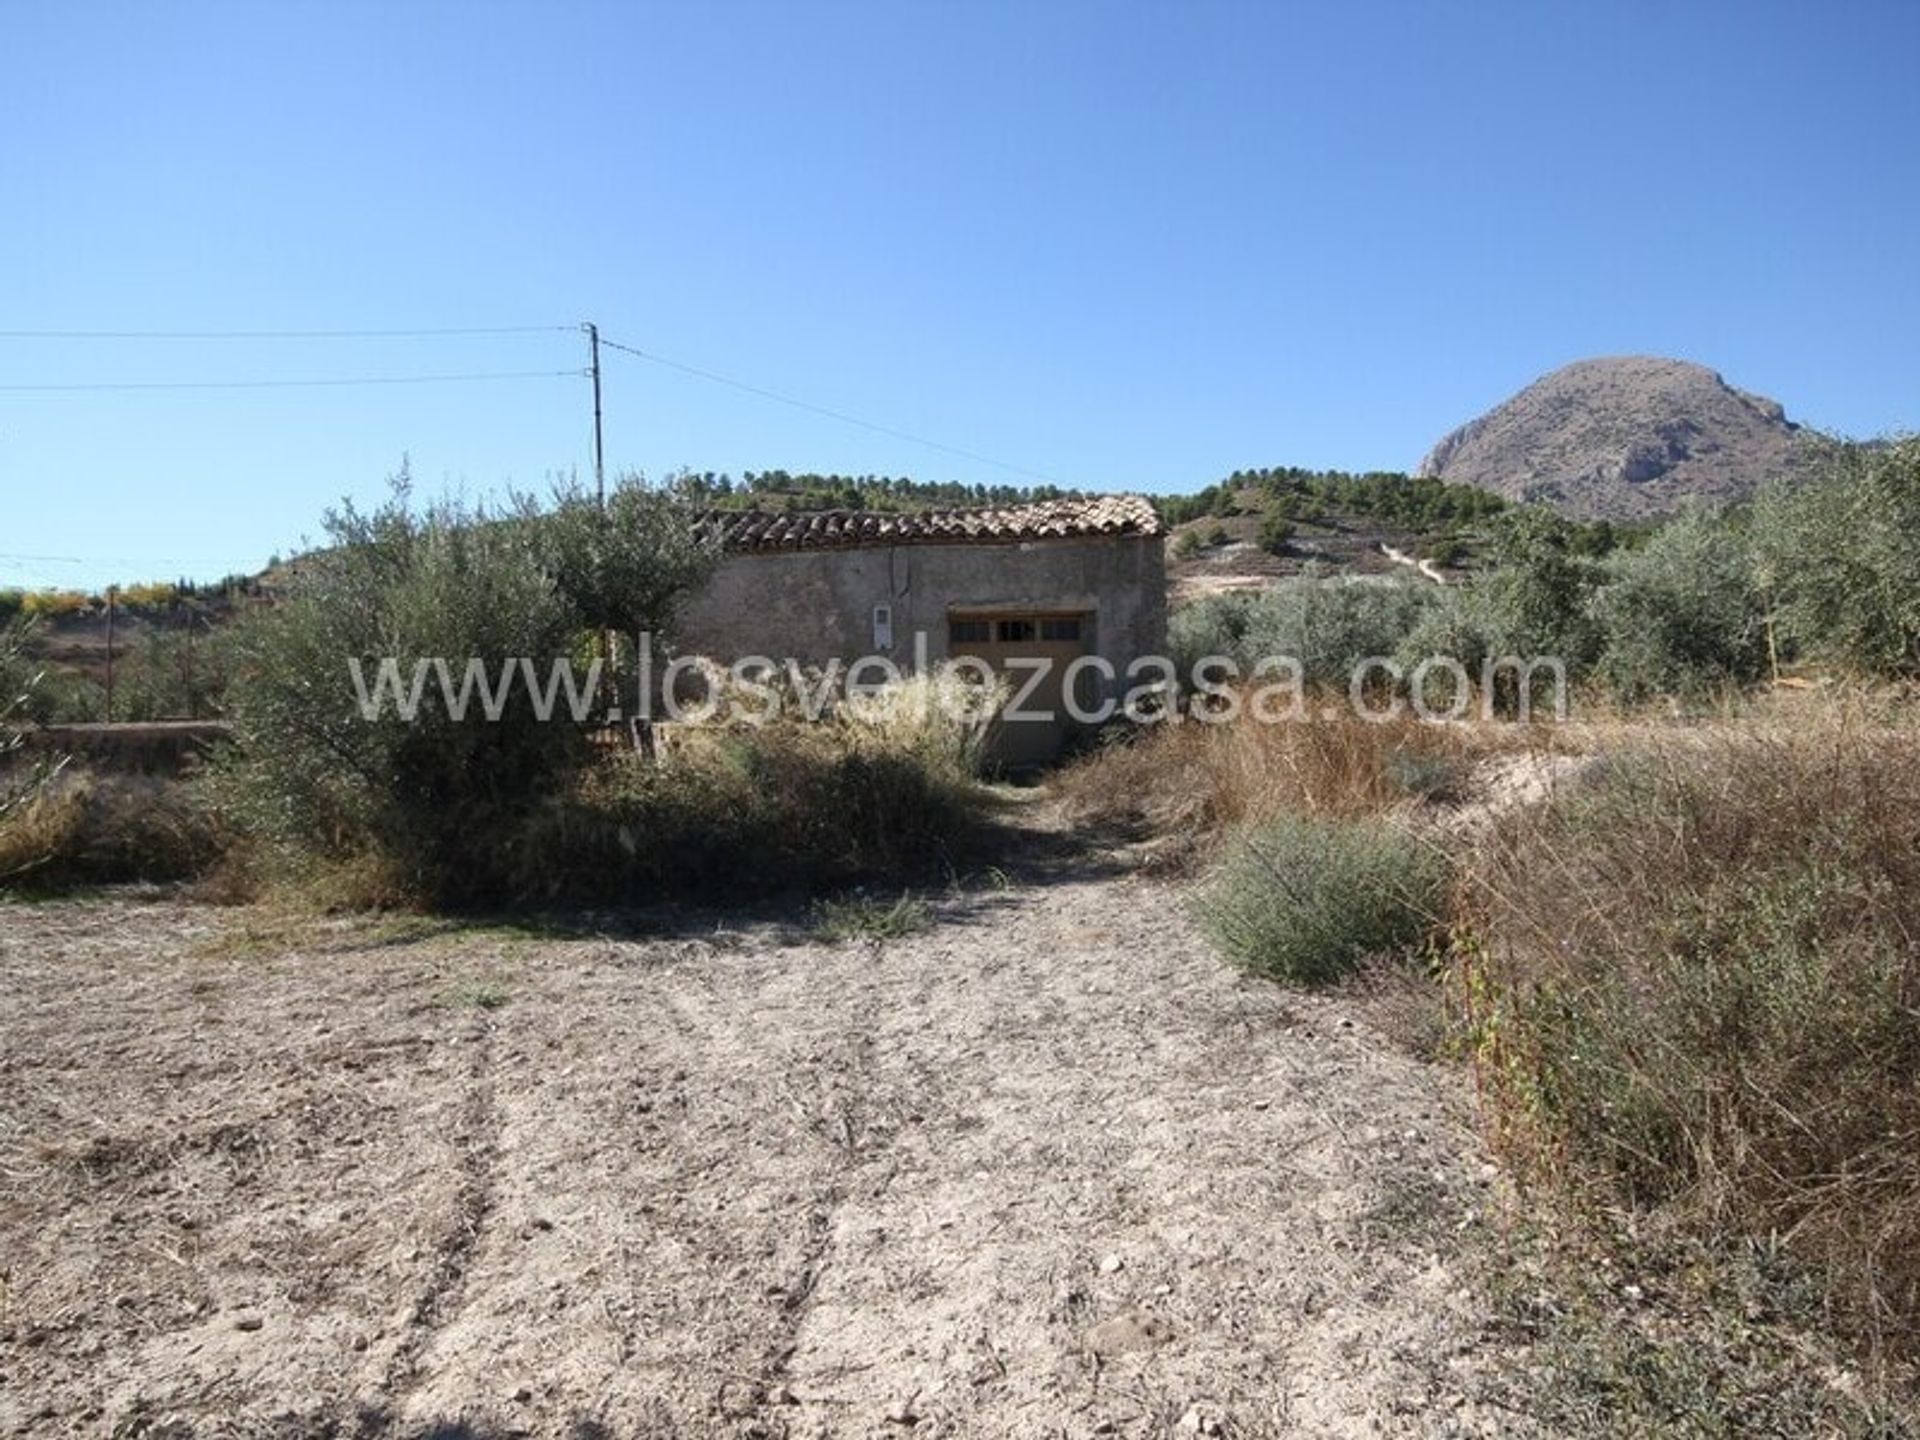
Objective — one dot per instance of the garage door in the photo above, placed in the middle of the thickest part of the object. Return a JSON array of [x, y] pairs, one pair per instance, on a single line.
[[1032, 646]]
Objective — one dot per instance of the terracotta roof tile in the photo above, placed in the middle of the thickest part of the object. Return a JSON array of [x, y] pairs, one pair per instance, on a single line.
[[755, 530]]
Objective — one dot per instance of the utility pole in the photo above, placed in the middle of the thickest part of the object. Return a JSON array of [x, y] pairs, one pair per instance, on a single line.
[[599, 443], [110, 598], [189, 663], [608, 689]]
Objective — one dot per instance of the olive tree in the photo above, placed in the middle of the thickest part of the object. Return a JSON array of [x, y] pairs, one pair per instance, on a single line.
[[407, 698]]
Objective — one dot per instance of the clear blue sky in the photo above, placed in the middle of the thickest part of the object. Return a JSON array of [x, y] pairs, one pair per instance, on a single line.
[[1123, 246]]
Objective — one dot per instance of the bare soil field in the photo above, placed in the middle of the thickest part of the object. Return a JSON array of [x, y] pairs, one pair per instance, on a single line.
[[1047, 1168]]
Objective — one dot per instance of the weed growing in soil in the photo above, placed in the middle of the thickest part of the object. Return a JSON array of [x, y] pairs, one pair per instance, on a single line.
[[476, 995], [859, 918]]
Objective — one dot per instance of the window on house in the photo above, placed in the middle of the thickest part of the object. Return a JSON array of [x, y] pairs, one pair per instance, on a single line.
[[1060, 627], [968, 632], [1013, 632]]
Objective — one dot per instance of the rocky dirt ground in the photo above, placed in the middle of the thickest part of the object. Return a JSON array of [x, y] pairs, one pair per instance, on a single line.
[[1045, 1168]]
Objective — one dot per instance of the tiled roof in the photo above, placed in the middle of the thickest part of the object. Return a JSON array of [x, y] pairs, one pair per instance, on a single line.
[[754, 530]]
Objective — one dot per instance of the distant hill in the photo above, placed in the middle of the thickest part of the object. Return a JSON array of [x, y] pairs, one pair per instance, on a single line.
[[1623, 438]]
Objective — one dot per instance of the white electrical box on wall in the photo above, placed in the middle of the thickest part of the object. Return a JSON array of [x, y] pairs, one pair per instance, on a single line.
[[883, 627]]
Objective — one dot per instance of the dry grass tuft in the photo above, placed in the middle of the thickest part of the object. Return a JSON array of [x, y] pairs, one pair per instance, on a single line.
[[88, 829], [1199, 783]]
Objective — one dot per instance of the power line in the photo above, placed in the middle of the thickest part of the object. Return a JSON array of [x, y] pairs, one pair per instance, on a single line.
[[841, 416], [684, 368], [292, 384], [281, 334], [106, 559]]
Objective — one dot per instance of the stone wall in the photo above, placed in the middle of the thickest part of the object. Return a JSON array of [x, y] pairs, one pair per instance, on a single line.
[[817, 605]]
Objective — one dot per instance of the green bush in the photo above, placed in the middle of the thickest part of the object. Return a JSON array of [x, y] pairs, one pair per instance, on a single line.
[[173, 674], [34, 692], [1308, 900], [1276, 530], [1682, 613], [1839, 555], [434, 802], [1213, 625], [481, 813], [1330, 625], [1327, 624], [1535, 599], [1455, 623]]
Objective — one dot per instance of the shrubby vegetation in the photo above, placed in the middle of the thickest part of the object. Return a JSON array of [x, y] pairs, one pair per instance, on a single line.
[[1691, 984], [60, 826], [1686, 977], [30, 692], [1412, 502], [1197, 786], [854, 797], [170, 648], [155, 598], [1539, 595], [1309, 900], [1325, 622], [1685, 613], [77, 828], [472, 811], [174, 674], [43, 604], [1825, 574], [22, 777], [780, 490], [1841, 562], [431, 802]]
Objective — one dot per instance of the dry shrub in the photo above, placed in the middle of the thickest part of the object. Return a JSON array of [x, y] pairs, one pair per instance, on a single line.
[[879, 792], [1202, 782], [1311, 900], [89, 829], [1693, 984]]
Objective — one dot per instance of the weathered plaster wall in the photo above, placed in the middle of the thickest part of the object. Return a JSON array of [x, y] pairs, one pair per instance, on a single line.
[[817, 605]]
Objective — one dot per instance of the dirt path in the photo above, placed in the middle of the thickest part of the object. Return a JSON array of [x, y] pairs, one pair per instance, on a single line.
[[1047, 1168]]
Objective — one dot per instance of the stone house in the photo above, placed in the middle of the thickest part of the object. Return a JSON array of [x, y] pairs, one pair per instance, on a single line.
[[1051, 582]]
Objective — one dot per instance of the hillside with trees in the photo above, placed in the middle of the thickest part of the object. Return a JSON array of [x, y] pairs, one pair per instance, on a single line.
[[786, 490]]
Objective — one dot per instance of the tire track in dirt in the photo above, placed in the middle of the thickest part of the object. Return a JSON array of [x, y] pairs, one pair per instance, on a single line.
[[854, 1088], [1045, 1168], [476, 1142]]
